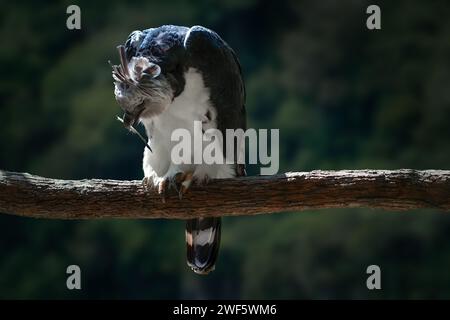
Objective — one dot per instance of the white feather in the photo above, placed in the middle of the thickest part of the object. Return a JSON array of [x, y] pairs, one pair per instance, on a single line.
[[191, 105]]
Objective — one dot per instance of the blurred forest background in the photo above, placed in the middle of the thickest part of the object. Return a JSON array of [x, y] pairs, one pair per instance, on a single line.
[[342, 96]]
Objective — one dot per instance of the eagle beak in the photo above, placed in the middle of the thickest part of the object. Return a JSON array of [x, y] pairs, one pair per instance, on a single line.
[[129, 119]]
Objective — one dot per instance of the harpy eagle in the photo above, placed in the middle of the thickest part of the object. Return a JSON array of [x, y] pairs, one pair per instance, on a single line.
[[170, 77]]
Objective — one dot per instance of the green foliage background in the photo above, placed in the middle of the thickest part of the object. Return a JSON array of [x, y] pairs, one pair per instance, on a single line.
[[342, 96]]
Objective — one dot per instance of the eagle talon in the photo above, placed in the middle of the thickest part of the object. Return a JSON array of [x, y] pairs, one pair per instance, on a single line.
[[184, 181], [176, 180], [147, 183], [162, 189], [202, 181]]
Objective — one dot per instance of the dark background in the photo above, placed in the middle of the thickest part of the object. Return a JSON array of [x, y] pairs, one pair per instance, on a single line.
[[343, 97]]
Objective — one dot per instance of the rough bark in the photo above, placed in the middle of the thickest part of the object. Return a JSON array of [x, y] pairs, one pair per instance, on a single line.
[[33, 196]]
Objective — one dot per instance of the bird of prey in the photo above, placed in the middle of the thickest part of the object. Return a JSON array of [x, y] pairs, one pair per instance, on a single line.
[[168, 78]]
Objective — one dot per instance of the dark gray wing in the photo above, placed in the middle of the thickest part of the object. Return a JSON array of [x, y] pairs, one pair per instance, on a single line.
[[222, 74]]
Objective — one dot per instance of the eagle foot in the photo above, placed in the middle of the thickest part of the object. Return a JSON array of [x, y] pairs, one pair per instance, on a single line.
[[180, 183]]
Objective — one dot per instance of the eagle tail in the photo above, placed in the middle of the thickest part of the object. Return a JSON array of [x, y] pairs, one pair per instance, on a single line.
[[202, 243]]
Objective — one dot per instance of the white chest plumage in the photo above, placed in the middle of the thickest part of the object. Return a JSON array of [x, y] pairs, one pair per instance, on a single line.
[[191, 105]]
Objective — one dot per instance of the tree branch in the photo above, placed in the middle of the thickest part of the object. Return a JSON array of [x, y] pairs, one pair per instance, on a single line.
[[33, 196]]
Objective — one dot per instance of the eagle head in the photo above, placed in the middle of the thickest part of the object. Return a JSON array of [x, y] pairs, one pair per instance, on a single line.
[[140, 88]]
